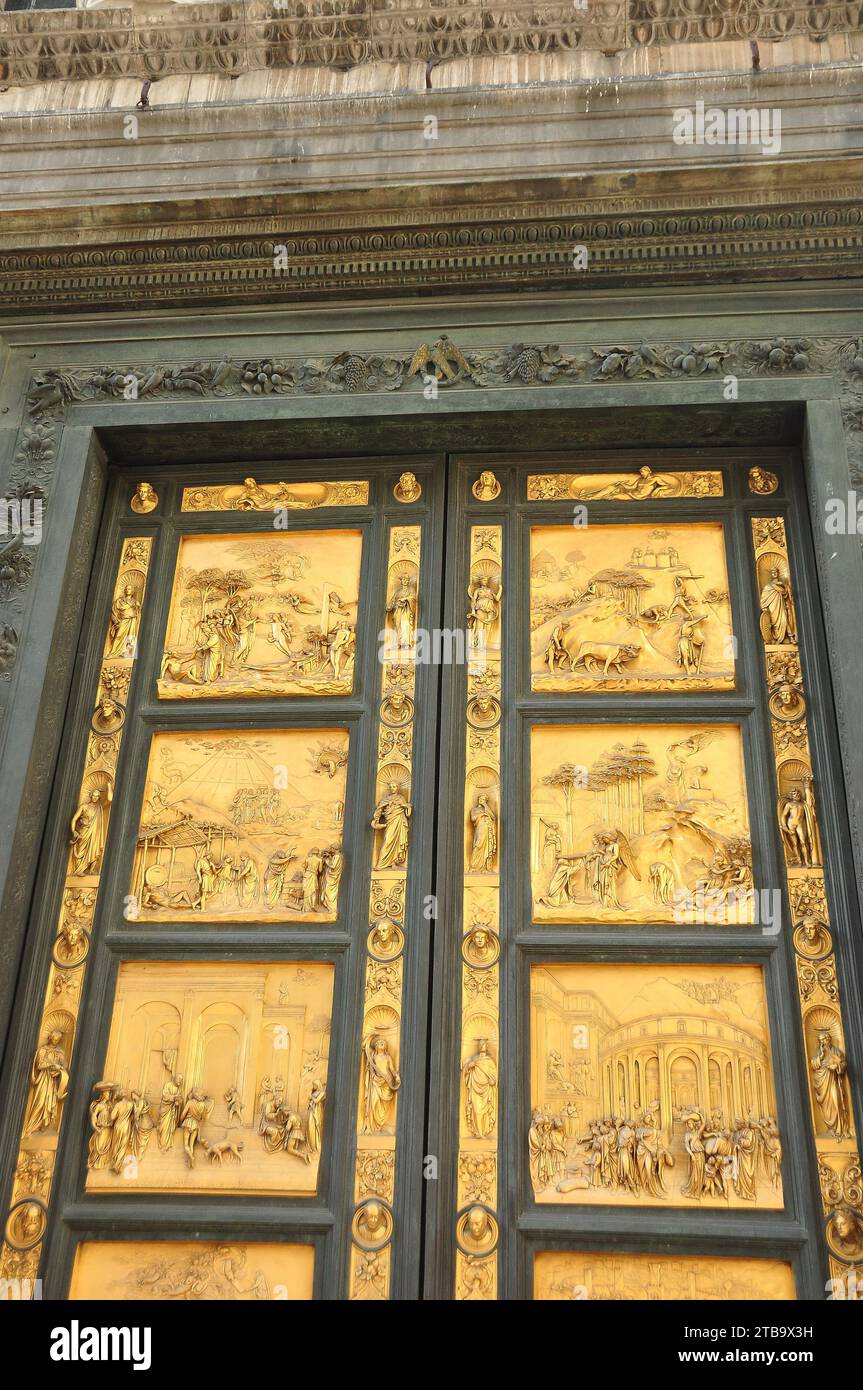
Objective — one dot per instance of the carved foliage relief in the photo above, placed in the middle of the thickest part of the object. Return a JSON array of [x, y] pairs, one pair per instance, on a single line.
[[652, 1085]]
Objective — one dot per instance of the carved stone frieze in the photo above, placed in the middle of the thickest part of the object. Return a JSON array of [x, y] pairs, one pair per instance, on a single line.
[[233, 39]]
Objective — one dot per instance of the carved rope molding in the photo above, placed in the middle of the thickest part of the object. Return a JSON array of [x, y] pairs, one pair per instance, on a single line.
[[54, 390], [232, 38]]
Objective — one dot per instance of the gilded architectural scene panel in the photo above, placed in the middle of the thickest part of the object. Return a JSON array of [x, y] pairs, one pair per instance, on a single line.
[[215, 1078], [570, 1276], [640, 823], [184, 1271], [652, 1085], [263, 614], [630, 607], [241, 826]]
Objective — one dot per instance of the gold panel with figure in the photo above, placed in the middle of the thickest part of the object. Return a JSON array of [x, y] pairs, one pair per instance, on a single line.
[[241, 825], [187, 1270], [630, 607], [652, 1085], [640, 823], [263, 614], [215, 1078], [571, 1276]]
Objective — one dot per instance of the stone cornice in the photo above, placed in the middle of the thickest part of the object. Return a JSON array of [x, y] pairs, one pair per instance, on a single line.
[[767, 222], [232, 37]]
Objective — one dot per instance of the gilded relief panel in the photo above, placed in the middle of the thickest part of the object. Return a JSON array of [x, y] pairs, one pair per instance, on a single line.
[[215, 1078], [639, 485], [652, 1085], [184, 1271], [263, 614], [242, 825], [570, 1276], [640, 823], [252, 496], [630, 607]]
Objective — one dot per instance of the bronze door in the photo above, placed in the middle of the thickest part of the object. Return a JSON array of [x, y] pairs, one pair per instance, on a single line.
[[643, 1087], [221, 1101], [442, 856]]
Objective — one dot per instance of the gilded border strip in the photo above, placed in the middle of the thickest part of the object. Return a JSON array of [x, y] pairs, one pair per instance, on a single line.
[[477, 1230], [377, 1107], [830, 1098], [252, 496], [49, 1077], [642, 485]]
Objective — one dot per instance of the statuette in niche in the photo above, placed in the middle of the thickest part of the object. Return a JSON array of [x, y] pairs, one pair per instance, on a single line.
[[392, 819], [484, 827], [778, 622], [485, 593], [381, 1081], [89, 826], [123, 627], [798, 824], [486, 488], [49, 1078], [829, 1069], [407, 489], [145, 498], [479, 1072]]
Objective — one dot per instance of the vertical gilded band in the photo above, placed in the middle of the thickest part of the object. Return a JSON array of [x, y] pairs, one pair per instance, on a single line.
[[380, 1081], [818, 987], [49, 1075], [477, 1228]]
